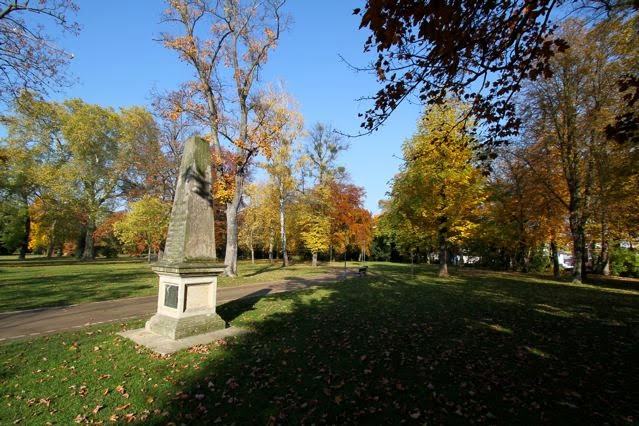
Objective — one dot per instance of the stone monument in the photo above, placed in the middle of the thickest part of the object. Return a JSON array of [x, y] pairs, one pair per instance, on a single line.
[[188, 271]]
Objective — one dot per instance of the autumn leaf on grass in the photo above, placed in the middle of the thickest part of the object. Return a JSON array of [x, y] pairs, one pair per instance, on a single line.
[[83, 391], [122, 391], [199, 349], [97, 408], [123, 407]]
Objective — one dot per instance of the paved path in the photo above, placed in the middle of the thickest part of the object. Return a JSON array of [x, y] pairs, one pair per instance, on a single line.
[[36, 322]]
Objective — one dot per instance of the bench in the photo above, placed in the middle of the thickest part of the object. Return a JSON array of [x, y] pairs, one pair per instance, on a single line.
[[362, 271]]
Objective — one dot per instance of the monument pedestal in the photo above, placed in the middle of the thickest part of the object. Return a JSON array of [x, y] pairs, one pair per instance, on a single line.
[[188, 273], [186, 300]]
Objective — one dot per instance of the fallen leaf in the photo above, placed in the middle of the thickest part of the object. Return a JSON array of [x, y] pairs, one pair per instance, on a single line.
[[97, 408], [123, 407]]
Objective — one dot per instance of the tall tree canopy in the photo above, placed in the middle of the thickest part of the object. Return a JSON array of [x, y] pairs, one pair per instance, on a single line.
[[227, 43], [74, 156], [29, 58], [436, 195], [480, 51]]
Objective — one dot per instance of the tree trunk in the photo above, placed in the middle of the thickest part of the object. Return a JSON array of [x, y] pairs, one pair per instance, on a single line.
[[89, 252], [24, 247], [252, 255], [230, 257], [578, 246], [554, 254], [271, 239], [148, 253], [442, 240], [51, 245], [605, 258], [314, 259], [283, 233]]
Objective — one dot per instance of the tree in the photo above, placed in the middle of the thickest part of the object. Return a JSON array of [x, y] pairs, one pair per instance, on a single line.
[[175, 127], [240, 37], [92, 135], [288, 125], [524, 212], [322, 150], [568, 114], [258, 218], [436, 195], [315, 220], [146, 165], [28, 167], [72, 155], [29, 59], [146, 221], [351, 224], [479, 51], [53, 223], [14, 217]]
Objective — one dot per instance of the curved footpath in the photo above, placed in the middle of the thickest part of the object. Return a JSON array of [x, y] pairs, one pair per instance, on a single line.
[[37, 322]]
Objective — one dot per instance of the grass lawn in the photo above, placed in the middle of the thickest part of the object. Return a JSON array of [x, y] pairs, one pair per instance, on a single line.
[[481, 347], [40, 282]]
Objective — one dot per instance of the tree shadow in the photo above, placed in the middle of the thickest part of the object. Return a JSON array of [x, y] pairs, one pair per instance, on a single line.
[[385, 350], [266, 268], [231, 310]]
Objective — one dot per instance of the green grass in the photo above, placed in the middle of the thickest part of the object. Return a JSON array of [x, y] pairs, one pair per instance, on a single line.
[[480, 347], [41, 282]]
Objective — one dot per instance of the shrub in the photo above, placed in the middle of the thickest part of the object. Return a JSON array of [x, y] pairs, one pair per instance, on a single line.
[[624, 262]]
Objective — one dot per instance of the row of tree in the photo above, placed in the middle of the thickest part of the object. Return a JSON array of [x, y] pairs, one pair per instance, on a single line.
[[70, 168], [562, 184], [67, 166], [325, 215]]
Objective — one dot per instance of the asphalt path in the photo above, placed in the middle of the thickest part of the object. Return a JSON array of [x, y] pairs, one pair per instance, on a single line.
[[37, 322]]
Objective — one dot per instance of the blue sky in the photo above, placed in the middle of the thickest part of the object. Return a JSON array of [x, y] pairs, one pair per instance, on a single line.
[[118, 63]]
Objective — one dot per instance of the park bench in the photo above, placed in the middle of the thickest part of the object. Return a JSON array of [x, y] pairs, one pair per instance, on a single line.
[[362, 270]]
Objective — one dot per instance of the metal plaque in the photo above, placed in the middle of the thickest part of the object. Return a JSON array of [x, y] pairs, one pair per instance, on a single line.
[[171, 296]]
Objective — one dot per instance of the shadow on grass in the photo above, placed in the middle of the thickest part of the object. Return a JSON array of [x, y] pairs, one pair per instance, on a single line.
[[388, 349], [231, 310], [267, 268]]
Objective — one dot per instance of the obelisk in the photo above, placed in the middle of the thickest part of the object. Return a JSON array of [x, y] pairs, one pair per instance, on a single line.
[[188, 271]]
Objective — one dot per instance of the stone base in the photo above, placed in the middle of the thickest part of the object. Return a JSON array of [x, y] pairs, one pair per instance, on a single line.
[[165, 346], [179, 328]]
